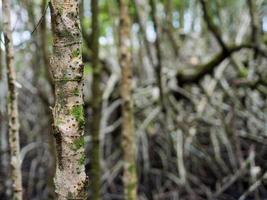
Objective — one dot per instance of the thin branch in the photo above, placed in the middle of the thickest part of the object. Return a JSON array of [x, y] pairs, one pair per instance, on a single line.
[[41, 19], [212, 27], [253, 187]]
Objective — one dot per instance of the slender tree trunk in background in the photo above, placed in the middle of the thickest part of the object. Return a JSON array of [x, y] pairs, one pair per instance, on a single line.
[[193, 6], [12, 109], [36, 59], [169, 27], [140, 20], [212, 26], [255, 24], [43, 34], [128, 132], [68, 113], [48, 76], [219, 8], [181, 14], [1, 64], [5, 159], [82, 11], [159, 66], [96, 105]]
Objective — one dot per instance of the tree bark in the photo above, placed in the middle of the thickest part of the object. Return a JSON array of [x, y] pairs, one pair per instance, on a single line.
[[128, 138], [12, 108], [96, 105], [68, 114]]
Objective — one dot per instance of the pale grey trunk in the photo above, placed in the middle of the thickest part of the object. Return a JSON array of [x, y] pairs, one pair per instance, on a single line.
[[12, 108], [67, 70]]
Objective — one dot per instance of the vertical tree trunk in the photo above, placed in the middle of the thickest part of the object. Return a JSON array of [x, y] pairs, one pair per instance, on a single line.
[[141, 21], [181, 14], [255, 25], [45, 58], [159, 56], [96, 105], [68, 113], [13, 119], [43, 34], [212, 26], [169, 27], [36, 58], [128, 138], [1, 65]]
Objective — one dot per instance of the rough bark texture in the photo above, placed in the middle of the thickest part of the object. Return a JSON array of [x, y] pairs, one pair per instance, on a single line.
[[13, 120], [68, 113], [128, 138], [96, 105]]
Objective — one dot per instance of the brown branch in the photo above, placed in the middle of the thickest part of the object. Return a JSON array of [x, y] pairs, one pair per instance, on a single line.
[[96, 105], [193, 76]]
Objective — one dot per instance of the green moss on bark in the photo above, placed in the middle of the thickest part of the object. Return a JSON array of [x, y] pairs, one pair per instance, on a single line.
[[77, 113], [82, 160], [78, 143], [76, 92], [75, 53]]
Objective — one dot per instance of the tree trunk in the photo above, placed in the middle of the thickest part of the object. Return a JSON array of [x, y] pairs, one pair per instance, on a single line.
[[68, 114], [48, 76], [96, 105], [181, 14], [35, 60], [1, 65], [128, 138], [168, 28], [255, 25], [159, 66], [12, 109], [141, 21], [43, 34]]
